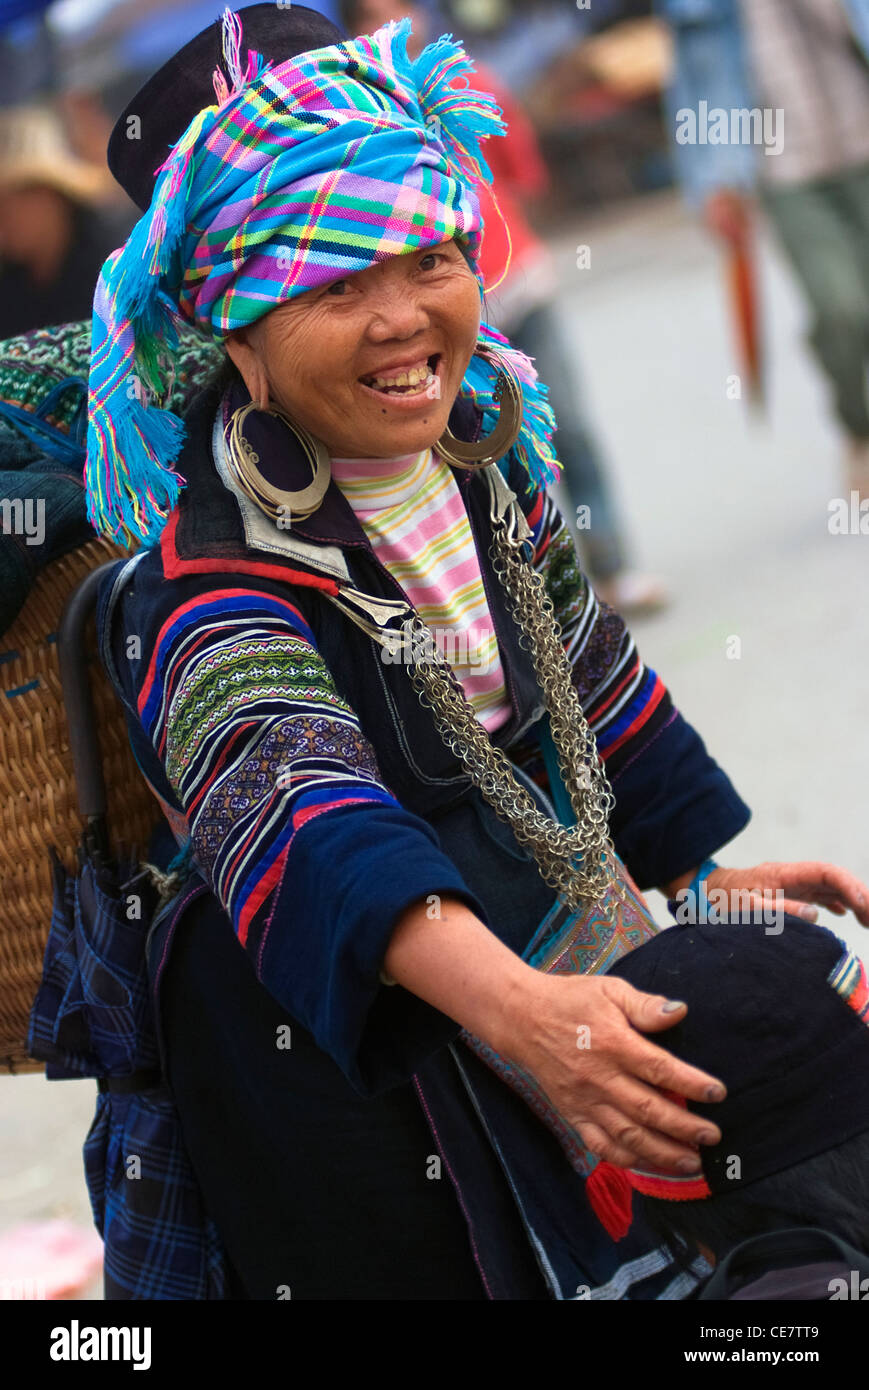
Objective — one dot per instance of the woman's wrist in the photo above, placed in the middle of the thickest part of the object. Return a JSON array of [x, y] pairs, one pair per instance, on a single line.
[[691, 879], [687, 895], [455, 963]]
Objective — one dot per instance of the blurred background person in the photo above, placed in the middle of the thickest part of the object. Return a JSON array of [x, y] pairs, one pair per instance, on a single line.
[[522, 306], [807, 60], [55, 231]]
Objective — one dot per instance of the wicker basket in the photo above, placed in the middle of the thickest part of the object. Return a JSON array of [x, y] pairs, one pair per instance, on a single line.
[[38, 789], [42, 377]]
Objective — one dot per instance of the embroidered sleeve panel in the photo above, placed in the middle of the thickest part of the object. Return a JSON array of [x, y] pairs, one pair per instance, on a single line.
[[254, 737]]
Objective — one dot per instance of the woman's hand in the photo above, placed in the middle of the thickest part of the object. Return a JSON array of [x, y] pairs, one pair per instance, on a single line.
[[801, 884], [578, 1037]]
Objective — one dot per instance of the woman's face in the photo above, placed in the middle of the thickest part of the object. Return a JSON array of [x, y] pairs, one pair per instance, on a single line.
[[328, 356]]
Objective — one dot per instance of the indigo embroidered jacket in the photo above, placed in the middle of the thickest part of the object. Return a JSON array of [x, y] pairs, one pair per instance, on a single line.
[[302, 766]]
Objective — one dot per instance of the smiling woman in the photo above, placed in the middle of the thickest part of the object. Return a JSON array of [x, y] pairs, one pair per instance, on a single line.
[[369, 1089], [370, 364]]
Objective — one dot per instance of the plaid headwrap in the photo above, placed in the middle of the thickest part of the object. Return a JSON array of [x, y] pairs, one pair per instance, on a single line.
[[301, 173]]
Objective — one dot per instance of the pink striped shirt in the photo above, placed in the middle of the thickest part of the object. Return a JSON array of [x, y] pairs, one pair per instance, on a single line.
[[411, 510]]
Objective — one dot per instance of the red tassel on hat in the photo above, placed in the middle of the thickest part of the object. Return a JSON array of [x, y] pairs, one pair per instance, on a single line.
[[611, 1195]]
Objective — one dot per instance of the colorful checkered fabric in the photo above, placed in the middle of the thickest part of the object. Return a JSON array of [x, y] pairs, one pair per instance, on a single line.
[[302, 173], [849, 979]]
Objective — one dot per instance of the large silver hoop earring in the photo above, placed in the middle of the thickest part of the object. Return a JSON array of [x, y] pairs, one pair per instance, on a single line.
[[480, 453], [280, 505]]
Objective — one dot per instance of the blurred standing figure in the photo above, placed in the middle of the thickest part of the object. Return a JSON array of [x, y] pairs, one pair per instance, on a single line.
[[54, 234], [522, 307], [807, 63]]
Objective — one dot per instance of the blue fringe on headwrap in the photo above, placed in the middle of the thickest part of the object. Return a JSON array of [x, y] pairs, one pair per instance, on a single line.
[[533, 448], [131, 487], [459, 116]]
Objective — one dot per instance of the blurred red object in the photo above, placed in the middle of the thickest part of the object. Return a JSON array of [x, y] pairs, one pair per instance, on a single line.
[[727, 213], [742, 275], [48, 1259]]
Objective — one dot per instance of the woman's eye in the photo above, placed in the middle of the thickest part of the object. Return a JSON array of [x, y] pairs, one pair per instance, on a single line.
[[337, 287], [433, 256]]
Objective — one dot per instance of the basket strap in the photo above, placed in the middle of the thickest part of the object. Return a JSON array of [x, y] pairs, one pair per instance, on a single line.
[[78, 703], [148, 1079], [124, 568]]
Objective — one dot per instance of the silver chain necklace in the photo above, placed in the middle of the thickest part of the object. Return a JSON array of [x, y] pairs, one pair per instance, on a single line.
[[578, 861]]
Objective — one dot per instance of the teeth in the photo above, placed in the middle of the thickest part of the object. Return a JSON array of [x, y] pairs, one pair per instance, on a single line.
[[415, 377]]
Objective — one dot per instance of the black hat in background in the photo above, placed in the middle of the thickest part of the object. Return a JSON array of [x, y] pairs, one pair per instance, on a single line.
[[157, 116]]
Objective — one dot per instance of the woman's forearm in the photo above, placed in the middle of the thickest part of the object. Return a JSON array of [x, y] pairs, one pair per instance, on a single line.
[[456, 964], [607, 1089]]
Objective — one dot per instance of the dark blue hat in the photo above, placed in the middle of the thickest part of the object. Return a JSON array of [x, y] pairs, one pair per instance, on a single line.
[[157, 116], [782, 1020]]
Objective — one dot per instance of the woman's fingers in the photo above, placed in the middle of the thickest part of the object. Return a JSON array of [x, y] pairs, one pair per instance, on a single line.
[[636, 1118], [631, 1145], [647, 1125], [822, 883], [600, 1143], [608, 1084], [764, 907], [645, 1062], [648, 1107], [796, 888], [651, 1013], [795, 907]]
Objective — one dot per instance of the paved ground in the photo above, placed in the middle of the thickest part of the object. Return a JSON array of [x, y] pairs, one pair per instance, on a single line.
[[734, 513]]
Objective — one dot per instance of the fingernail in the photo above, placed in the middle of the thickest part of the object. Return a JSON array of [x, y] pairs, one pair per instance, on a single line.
[[715, 1093], [707, 1137], [860, 898], [672, 1005], [689, 1165]]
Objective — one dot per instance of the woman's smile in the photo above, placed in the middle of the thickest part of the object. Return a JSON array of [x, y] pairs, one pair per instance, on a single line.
[[370, 364], [406, 385]]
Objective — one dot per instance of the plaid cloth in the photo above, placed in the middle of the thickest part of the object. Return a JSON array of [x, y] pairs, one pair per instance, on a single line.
[[159, 1241], [302, 173], [93, 1016]]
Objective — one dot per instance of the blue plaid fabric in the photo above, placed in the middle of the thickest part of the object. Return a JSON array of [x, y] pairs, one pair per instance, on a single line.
[[159, 1242], [93, 1016]]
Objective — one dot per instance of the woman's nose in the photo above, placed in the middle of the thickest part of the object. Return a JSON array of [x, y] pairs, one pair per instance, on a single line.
[[398, 312]]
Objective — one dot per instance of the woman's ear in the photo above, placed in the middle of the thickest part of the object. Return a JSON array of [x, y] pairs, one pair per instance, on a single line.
[[247, 360]]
